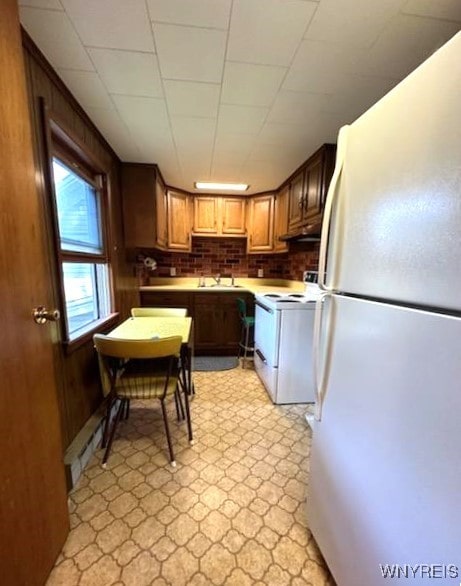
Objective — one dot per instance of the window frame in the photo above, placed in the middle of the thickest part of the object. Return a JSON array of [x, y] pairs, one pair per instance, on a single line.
[[69, 151]]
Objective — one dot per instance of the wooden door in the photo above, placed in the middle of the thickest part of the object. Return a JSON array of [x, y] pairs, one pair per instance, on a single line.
[[295, 213], [205, 215], [281, 220], [179, 221], [233, 216], [261, 224], [33, 512]]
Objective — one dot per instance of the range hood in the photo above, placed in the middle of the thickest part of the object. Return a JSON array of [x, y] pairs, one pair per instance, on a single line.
[[309, 233]]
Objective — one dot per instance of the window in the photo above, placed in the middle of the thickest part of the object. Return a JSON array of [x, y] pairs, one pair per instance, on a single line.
[[82, 251]]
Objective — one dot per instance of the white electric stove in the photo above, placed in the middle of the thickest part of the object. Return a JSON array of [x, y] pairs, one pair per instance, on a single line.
[[284, 328]]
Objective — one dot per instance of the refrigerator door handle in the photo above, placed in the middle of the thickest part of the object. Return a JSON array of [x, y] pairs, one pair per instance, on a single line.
[[321, 372], [331, 196]]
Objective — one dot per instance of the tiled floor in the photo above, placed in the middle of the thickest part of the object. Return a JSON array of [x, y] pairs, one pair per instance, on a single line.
[[231, 513]]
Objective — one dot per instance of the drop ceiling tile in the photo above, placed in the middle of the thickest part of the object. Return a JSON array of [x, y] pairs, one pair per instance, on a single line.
[[294, 107], [63, 48], [193, 132], [359, 94], [445, 9], [87, 88], [189, 53], [231, 142], [188, 98], [47, 4], [354, 23], [267, 31], [252, 85], [241, 119], [142, 115], [202, 13], [406, 42], [115, 132], [112, 24], [128, 72], [322, 67], [225, 172]]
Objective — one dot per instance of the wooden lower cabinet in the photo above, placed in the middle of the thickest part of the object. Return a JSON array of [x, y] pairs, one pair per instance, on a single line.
[[216, 320], [167, 299]]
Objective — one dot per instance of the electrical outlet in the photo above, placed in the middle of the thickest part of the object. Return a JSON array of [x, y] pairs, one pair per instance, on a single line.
[[172, 271], [261, 273]]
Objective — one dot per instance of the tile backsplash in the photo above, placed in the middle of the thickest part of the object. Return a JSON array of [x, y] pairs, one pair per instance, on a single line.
[[228, 256]]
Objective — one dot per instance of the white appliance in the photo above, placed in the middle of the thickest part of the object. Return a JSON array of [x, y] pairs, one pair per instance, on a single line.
[[284, 326], [385, 473]]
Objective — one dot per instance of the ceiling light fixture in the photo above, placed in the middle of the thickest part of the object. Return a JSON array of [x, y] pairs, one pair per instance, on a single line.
[[221, 186]]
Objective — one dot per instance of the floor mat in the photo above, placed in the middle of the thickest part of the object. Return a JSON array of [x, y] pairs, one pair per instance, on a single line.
[[208, 363]]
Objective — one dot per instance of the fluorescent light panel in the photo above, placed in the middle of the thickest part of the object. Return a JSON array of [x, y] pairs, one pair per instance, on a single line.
[[221, 186]]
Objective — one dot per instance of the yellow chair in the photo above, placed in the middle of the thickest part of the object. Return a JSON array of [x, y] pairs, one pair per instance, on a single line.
[[139, 369], [158, 312]]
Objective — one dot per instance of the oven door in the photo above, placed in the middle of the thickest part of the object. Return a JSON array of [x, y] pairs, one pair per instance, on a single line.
[[267, 334]]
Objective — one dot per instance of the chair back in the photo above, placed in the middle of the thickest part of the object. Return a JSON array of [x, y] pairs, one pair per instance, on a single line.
[[138, 369], [242, 307], [158, 312], [116, 348]]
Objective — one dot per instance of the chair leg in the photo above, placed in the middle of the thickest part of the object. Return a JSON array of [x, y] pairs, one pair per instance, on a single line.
[[127, 409], [110, 402], [247, 340], [179, 406], [112, 432], [167, 430], [188, 419]]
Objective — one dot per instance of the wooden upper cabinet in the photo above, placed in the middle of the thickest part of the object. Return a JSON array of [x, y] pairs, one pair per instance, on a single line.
[[219, 216], [161, 225], [233, 216], [205, 215], [139, 202], [261, 223], [179, 221], [308, 189], [281, 219], [296, 191]]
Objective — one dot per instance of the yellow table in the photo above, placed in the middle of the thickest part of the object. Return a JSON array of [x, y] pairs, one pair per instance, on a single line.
[[146, 328]]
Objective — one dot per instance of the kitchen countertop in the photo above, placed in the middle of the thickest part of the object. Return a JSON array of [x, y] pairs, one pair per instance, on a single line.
[[158, 284]]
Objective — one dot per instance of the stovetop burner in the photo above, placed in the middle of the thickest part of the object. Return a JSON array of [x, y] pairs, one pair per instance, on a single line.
[[295, 300]]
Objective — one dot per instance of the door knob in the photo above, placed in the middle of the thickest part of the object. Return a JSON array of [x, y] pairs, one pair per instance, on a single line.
[[41, 314]]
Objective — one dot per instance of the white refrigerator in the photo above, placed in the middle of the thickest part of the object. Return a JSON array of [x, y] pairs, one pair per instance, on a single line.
[[384, 497]]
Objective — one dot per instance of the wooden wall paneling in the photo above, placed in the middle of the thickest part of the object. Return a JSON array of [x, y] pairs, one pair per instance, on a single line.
[[79, 380]]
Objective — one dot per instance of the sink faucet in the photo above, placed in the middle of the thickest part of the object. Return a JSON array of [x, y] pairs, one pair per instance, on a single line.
[[217, 279]]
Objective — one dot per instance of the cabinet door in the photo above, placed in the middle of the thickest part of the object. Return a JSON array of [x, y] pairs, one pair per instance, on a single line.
[[161, 232], [295, 212], [233, 215], [231, 325], [312, 204], [261, 224], [207, 323], [281, 220], [179, 221], [205, 215], [138, 192]]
